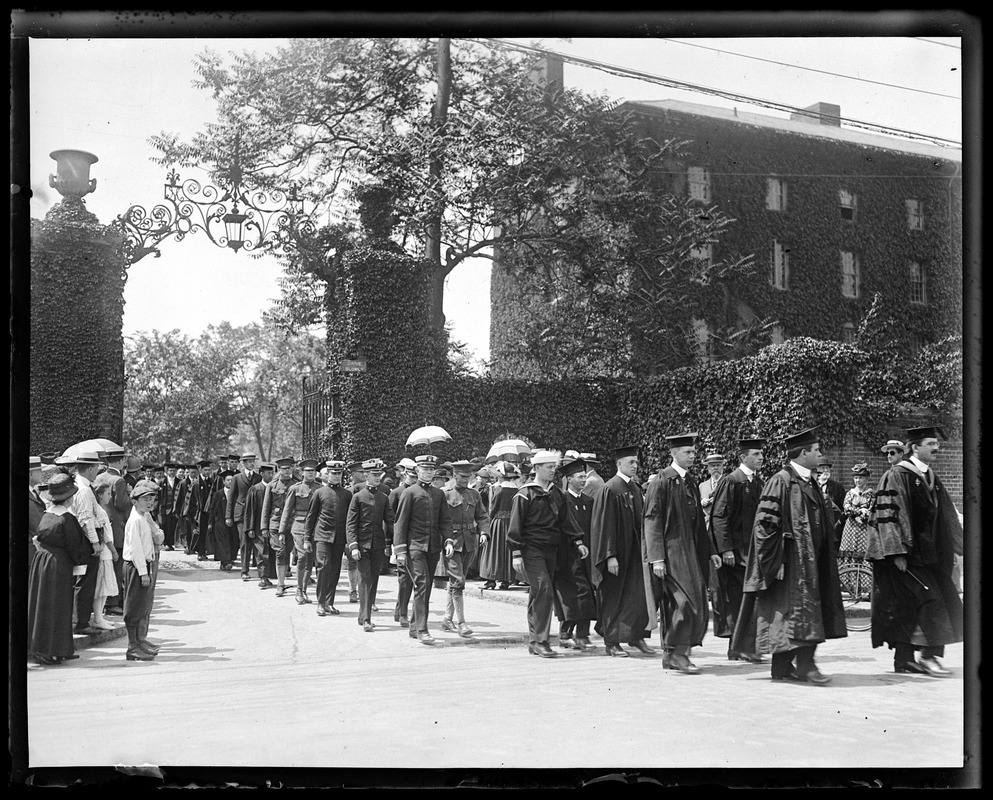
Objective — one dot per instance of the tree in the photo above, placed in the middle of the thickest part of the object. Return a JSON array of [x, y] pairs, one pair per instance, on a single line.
[[476, 156]]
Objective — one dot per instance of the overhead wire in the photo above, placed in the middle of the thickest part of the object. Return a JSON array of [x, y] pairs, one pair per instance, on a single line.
[[626, 72]]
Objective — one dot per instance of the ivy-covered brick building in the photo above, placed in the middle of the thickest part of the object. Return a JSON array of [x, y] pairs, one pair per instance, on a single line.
[[831, 215]]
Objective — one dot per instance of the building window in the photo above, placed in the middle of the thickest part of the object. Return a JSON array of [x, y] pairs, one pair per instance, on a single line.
[[915, 215], [702, 345], [778, 334], [848, 331], [850, 274], [775, 194], [918, 283], [779, 267], [698, 180], [848, 202]]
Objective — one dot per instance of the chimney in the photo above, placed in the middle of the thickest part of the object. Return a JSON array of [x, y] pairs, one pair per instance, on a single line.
[[820, 114], [548, 73]]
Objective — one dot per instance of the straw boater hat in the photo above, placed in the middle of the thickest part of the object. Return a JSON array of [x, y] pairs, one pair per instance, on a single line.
[[893, 444], [714, 458]]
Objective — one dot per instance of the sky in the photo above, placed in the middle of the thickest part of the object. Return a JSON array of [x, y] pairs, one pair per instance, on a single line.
[[108, 96]]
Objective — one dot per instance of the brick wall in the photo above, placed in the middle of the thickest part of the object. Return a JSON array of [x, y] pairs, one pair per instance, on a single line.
[[949, 465]]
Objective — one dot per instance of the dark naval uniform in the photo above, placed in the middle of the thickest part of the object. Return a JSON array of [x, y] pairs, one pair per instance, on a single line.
[[368, 530]]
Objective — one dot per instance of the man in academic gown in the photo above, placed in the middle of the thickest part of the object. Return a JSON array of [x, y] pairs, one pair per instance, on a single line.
[[246, 478], [624, 592], [732, 514], [915, 603], [200, 491], [792, 596], [679, 551], [575, 598], [255, 531]]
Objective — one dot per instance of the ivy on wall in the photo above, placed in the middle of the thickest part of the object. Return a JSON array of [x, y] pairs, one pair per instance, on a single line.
[[77, 311]]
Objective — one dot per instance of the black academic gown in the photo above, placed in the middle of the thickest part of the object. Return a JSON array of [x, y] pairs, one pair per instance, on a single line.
[[575, 598], [626, 601], [675, 532]]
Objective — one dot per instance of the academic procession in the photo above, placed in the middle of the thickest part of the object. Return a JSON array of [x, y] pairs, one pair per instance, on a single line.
[[613, 564]]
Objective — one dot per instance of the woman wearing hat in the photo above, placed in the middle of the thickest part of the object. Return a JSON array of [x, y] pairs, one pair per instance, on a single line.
[[857, 509], [61, 544], [494, 555]]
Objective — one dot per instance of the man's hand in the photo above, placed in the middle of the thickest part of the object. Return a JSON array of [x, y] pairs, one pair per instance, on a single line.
[[307, 547], [900, 562], [229, 522], [146, 580], [250, 534], [584, 551], [483, 539], [388, 551], [659, 569], [716, 560], [518, 563], [613, 566], [402, 560], [449, 550], [780, 572], [356, 554], [727, 558], [97, 547]]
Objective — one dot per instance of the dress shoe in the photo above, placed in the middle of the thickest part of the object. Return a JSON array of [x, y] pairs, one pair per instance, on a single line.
[[910, 666], [280, 591], [541, 649], [48, 661], [396, 615], [148, 647], [583, 642], [642, 646], [114, 611], [412, 633], [681, 663], [245, 576], [321, 610], [751, 658], [934, 668], [504, 585], [792, 677], [201, 558], [616, 650], [425, 638], [353, 597], [566, 642], [448, 625], [301, 600], [489, 585], [368, 627], [334, 612], [404, 622], [138, 655], [169, 547], [464, 630], [71, 657], [374, 607], [265, 585], [817, 677]]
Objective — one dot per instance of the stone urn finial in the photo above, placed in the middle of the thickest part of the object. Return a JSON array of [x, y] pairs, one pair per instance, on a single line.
[[72, 178]]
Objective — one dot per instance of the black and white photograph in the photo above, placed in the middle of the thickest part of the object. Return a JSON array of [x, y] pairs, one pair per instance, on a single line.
[[571, 399]]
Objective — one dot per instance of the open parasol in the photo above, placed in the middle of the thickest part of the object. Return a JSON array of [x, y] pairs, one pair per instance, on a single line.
[[90, 446], [508, 450], [427, 436]]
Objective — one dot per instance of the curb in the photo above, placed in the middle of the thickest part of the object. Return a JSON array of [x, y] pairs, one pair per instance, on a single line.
[[83, 640]]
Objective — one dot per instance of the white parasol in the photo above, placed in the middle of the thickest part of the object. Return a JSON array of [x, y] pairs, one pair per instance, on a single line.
[[428, 435], [90, 446]]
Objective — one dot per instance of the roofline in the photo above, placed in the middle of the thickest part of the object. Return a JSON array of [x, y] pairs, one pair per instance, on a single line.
[[814, 130]]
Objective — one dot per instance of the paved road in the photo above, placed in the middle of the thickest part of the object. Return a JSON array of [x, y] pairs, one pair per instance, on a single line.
[[248, 679]]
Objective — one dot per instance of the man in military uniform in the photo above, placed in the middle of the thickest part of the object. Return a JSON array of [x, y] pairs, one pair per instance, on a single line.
[[732, 514], [293, 522], [421, 530], [357, 481], [369, 532], [408, 476], [575, 599], [469, 523], [243, 481], [539, 521], [273, 503], [258, 535], [326, 532]]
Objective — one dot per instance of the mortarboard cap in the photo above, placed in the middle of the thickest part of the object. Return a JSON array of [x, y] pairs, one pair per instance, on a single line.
[[226, 472], [204, 462], [172, 465], [626, 451], [681, 439], [573, 467], [927, 432], [751, 444], [802, 438]]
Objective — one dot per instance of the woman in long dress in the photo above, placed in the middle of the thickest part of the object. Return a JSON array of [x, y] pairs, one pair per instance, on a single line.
[[61, 545], [494, 554], [857, 509]]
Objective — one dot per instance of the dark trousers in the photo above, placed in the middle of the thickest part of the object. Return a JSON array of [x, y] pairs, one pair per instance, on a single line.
[[327, 556], [782, 663], [198, 538], [153, 570], [118, 599], [580, 629], [404, 587], [369, 567], [260, 547], [904, 651], [422, 566], [169, 529], [539, 566], [137, 604], [245, 547], [85, 588]]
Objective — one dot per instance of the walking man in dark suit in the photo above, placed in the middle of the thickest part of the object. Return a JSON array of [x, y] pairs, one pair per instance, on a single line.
[[369, 530], [246, 478], [732, 514]]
